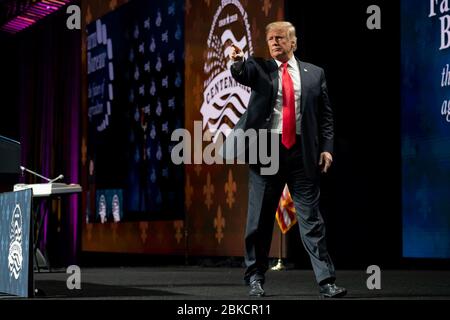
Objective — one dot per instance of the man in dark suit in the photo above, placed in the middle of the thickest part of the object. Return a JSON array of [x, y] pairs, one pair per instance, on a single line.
[[290, 98]]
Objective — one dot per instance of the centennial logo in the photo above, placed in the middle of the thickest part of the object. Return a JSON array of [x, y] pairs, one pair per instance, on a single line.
[[225, 100], [15, 257]]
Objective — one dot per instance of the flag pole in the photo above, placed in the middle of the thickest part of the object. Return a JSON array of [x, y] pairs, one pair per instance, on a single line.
[[280, 266]]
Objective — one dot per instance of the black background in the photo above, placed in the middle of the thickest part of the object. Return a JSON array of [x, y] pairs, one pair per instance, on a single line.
[[9, 113], [361, 196]]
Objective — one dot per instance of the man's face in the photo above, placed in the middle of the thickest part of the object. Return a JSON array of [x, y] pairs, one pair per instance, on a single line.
[[280, 47]]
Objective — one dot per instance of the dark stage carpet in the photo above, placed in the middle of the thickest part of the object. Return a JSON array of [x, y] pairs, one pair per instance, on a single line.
[[223, 283]]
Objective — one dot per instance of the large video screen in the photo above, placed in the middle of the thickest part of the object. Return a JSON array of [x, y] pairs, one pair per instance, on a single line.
[[425, 60], [135, 61]]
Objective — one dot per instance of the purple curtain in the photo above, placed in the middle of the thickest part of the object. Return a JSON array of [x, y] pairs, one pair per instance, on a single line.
[[49, 62]]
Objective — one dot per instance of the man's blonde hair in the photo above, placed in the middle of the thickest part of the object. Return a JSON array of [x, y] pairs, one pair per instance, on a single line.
[[289, 27]]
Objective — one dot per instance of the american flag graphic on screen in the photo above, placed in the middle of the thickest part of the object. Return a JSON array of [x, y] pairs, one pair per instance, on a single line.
[[145, 40]]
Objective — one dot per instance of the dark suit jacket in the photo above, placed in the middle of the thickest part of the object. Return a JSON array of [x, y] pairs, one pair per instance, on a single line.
[[317, 131]]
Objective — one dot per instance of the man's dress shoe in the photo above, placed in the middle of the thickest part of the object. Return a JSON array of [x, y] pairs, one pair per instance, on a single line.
[[256, 289], [330, 290]]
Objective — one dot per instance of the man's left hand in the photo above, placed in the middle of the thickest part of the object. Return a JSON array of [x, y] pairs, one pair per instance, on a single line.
[[325, 161]]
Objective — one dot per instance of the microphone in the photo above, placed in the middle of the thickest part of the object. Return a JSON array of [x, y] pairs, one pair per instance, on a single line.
[[34, 173], [38, 175], [57, 178]]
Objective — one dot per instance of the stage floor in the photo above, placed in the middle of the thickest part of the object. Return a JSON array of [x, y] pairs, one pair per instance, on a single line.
[[222, 283]]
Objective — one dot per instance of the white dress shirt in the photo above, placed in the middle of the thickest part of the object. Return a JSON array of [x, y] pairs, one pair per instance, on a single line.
[[277, 115]]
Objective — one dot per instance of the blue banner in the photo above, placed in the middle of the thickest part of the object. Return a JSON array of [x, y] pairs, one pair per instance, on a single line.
[[425, 72], [136, 100], [16, 262]]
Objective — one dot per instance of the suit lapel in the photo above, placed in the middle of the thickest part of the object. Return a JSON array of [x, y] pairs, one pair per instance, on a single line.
[[304, 77], [273, 70]]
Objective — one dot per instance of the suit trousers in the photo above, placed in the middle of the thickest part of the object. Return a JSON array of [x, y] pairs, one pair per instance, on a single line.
[[264, 196]]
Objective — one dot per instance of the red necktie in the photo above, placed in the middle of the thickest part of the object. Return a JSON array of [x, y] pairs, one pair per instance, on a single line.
[[288, 133]]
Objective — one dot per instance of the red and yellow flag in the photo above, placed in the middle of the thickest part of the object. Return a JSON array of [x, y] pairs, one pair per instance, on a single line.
[[285, 214]]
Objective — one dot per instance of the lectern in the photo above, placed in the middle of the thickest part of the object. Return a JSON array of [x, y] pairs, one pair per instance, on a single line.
[[16, 238]]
